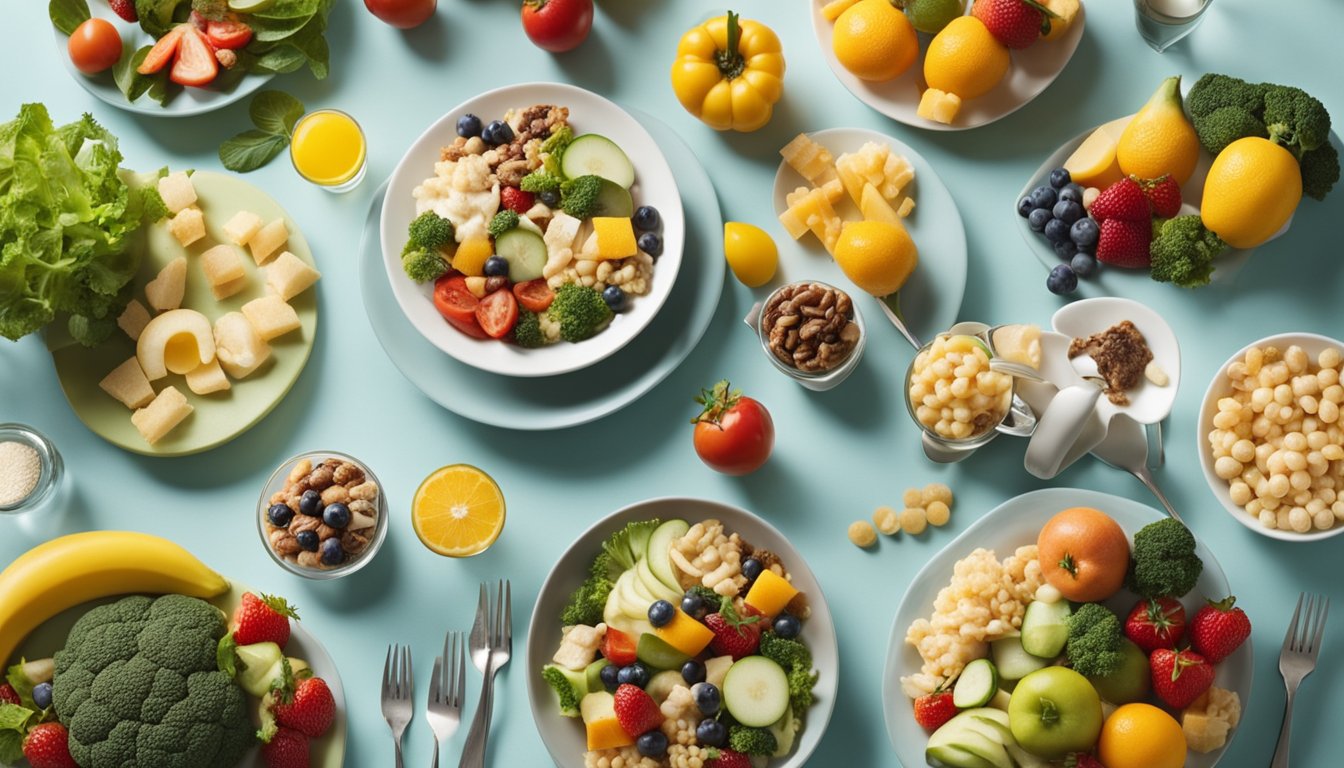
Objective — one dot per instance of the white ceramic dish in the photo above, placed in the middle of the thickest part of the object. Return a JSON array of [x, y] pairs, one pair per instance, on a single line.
[[1313, 344], [654, 185], [1015, 523], [1032, 71], [564, 737]]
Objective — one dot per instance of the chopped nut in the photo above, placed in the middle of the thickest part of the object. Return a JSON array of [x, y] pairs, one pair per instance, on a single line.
[[325, 532], [366, 491], [321, 477], [348, 474], [810, 326], [302, 523], [799, 606], [359, 521], [310, 560], [301, 468], [354, 543], [861, 533], [363, 507], [335, 494]]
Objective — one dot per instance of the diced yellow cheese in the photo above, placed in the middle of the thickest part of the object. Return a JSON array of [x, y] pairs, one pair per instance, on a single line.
[[289, 276], [127, 383], [939, 106], [177, 191], [832, 10], [242, 227], [875, 207], [615, 237], [133, 319], [231, 288], [907, 205], [471, 255], [208, 378], [165, 291], [162, 415], [267, 241], [685, 633], [811, 160], [271, 316], [238, 347], [187, 226], [222, 264], [770, 593]]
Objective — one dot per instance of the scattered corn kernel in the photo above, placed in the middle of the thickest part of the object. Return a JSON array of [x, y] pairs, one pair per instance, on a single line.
[[913, 497], [937, 513], [861, 533], [936, 492], [914, 520], [887, 521]]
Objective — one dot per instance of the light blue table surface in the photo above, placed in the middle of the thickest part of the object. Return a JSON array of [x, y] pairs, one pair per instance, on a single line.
[[838, 455]]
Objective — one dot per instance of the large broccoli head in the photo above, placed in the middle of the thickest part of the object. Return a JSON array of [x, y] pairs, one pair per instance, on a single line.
[[1163, 562], [137, 685]]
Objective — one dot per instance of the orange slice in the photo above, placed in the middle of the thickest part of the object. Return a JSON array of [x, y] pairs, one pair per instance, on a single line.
[[458, 511]]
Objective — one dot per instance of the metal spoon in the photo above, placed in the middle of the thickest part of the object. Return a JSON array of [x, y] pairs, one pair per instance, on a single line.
[[1126, 447]]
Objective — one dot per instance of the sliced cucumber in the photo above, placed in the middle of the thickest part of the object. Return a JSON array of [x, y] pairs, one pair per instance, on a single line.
[[1012, 660], [525, 251], [756, 691], [593, 674], [614, 200], [660, 548], [1045, 628], [660, 685], [976, 684], [785, 731], [591, 154], [658, 653]]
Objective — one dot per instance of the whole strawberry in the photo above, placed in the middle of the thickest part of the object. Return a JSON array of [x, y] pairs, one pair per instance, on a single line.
[[1164, 196], [1125, 244], [125, 9], [636, 711], [1179, 677], [310, 711], [1154, 624], [1218, 629], [262, 619], [1014, 23], [727, 758], [932, 710], [1122, 200], [8, 695], [734, 635], [287, 749], [1081, 760], [47, 746]]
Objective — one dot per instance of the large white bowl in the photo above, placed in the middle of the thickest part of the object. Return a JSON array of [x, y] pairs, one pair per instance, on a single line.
[[654, 185], [564, 737], [1313, 344]]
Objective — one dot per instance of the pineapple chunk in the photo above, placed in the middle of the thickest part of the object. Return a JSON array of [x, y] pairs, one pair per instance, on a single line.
[[289, 276], [939, 106], [242, 227], [238, 347], [907, 205], [875, 207], [811, 160], [133, 319], [208, 378], [165, 291], [615, 237], [1204, 733], [471, 255], [874, 164], [127, 383], [162, 415], [268, 240], [1065, 12], [833, 190], [222, 264], [810, 210], [271, 317], [187, 226], [177, 191]]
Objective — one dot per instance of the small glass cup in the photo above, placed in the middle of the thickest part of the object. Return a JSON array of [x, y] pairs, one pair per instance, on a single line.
[[950, 443], [1163, 22], [817, 381], [50, 473], [329, 150]]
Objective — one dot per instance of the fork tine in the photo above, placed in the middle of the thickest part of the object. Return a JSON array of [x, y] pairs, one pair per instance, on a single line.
[[406, 673], [508, 614], [436, 683], [1290, 637], [1324, 612], [461, 669], [387, 673], [1308, 624]]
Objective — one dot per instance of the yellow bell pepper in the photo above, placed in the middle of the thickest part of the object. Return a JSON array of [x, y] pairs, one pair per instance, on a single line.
[[729, 73]]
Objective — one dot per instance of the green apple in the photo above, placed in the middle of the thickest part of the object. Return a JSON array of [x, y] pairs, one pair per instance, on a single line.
[[1055, 711], [1130, 681]]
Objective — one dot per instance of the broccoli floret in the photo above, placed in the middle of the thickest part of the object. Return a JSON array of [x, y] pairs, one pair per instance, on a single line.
[[1320, 170], [1225, 125], [628, 545], [1163, 561], [429, 231], [1295, 119], [137, 684], [580, 311], [569, 686], [527, 331], [796, 660], [540, 180], [1213, 91], [578, 197], [587, 604], [558, 141], [1093, 646], [751, 741], [423, 265], [1183, 251], [801, 682], [502, 222]]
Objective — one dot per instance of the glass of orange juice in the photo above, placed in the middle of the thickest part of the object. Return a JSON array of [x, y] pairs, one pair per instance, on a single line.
[[328, 149]]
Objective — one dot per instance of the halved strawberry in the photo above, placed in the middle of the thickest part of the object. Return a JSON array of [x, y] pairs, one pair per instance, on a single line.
[[163, 51], [196, 64], [125, 9], [228, 34]]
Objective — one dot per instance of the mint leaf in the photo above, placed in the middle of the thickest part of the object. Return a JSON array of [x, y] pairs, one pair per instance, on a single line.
[[11, 747], [282, 59], [14, 717], [275, 111], [67, 15], [250, 150]]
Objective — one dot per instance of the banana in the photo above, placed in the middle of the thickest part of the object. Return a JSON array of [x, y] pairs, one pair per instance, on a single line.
[[65, 572]]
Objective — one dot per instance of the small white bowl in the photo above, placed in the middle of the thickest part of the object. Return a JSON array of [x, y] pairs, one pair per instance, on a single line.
[[1313, 344]]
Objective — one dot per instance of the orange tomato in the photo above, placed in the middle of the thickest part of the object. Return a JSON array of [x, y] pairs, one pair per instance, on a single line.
[[1084, 554], [95, 46]]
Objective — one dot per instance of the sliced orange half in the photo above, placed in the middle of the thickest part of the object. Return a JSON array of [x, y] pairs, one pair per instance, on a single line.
[[458, 511]]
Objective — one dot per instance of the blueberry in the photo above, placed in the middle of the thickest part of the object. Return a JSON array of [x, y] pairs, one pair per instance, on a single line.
[[336, 515], [1025, 206], [496, 266], [751, 568], [468, 125], [1060, 177], [280, 515], [1056, 231], [610, 675], [1044, 197], [1062, 280], [787, 626], [1037, 218], [651, 243], [310, 504], [549, 198], [42, 695], [1068, 211], [1083, 264], [1065, 249], [647, 218], [615, 297], [497, 132], [634, 674], [652, 744], [1084, 232], [693, 672], [1072, 192], [711, 733], [707, 698], [332, 554], [307, 540], [694, 606], [661, 612]]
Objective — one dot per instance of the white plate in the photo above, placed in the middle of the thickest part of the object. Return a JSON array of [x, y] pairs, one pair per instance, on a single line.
[[1015, 523], [1032, 71], [563, 736], [654, 185], [931, 299]]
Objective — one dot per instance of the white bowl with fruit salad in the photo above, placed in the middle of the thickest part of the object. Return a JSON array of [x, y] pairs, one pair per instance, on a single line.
[[533, 230], [674, 630]]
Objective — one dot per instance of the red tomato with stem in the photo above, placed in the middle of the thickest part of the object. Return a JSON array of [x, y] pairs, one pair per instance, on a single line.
[[402, 14], [733, 434], [95, 46], [497, 313], [534, 295], [457, 304], [557, 25]]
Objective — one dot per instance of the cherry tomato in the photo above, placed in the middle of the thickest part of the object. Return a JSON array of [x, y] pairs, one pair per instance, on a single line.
[[534, 295], [497, 313], [457, 305], [95, 46], [733, 434], [402, 14], [228, 34], [557, 25], [618, 647]]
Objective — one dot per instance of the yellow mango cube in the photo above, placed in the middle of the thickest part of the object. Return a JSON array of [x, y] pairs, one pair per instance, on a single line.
[[810, 210], [266, 242], [289, 276], [208, 379], [177, 191], [471, 255], [770, 593], [271, 316], [615, 237], [939, 106], [685, 634], [604, 731]]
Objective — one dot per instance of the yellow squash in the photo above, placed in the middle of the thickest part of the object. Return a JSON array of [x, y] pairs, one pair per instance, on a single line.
[[729, 73]]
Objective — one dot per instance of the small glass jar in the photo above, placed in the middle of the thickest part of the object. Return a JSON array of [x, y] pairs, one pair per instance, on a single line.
[[989, 430], [35, 485], [820, 380]]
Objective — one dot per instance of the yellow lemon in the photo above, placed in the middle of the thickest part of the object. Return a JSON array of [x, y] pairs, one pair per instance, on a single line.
[[1141, 736], [1159, 140], [751, 253], [458, 511], [876, 255], [1252, 189], [965, 59], [874, 41]]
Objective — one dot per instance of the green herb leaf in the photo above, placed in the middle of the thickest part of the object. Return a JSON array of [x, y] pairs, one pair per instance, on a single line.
[[67, 15], [131, 82], [156, 16], [250, 150], [11, 747], [282, 59], [14, 717], [289, 9], [275, 111]]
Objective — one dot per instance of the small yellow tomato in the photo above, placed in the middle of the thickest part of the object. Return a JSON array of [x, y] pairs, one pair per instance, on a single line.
[[729, 73], [751, 253]]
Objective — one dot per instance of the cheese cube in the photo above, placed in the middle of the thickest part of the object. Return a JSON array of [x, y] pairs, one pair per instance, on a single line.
[[128, 383], [231, 288], [939, 106], [238, 347], [222, 264], [187, 226], [811, 160], [270, 316], [289, 276], [267, 240], [208, 378], [133, 319], [615, 237], [162, 415], [242, 227], [177, 191], [165, 291], [907, 205]]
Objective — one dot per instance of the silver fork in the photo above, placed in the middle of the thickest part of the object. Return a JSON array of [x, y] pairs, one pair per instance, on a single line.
[[491, 646], [446, 686], [398, 688], [1298, 659]]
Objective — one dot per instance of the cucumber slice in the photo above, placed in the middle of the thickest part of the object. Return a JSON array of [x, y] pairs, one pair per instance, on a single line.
[[976, 685], [525, 251], [249, 6], [659, 549], [785, 731], [1045, 628], [591, 154], [756, 691], [658, 653], [614, 200], [660, 685], [1012, 660], [716, 669], [593, 675]]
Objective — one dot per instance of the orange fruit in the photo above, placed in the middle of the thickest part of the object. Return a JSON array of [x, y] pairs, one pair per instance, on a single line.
[[1160, 139], [877, 256], [1141, 736], [965, 59], [1084, 554], [1252, 189], [458, 511], [874, 41]]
